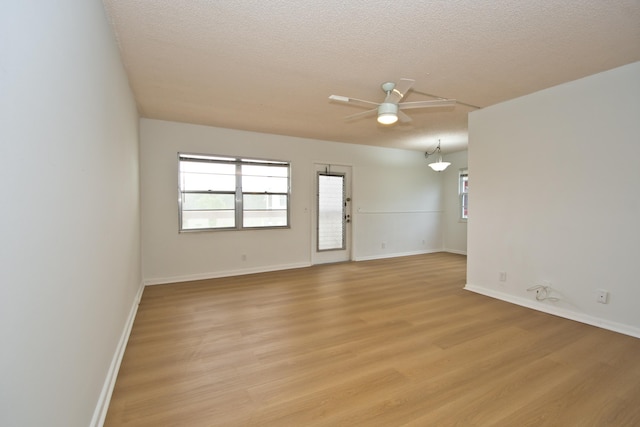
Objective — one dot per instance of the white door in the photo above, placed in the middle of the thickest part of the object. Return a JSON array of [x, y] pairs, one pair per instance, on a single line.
[[332, 214]]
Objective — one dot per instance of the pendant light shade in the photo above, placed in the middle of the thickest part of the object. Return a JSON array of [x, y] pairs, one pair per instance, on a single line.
[[438, 166]]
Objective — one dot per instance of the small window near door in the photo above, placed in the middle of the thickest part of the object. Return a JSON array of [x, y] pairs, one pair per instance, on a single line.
[[463, 190]]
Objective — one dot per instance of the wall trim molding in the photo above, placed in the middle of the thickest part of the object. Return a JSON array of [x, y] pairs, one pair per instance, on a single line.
[[396, 255], [102, 406], [219, 274], [557, 311], [265, 269], [455, 251], [380, 212]]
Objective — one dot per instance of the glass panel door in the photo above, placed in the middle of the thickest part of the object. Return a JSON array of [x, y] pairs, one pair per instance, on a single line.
[[331, 212]]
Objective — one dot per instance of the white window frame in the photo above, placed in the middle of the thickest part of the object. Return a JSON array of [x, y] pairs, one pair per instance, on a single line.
[[463, 193], [238, 209]]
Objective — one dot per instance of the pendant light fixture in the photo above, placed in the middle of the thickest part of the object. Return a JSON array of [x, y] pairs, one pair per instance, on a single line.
[[438, 166]]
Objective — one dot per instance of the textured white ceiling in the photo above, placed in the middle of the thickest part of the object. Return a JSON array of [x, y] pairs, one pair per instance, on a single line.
[[270, 66]]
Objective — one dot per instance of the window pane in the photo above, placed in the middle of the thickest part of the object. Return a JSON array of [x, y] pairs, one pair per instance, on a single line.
[[264, 184], [264, 210], [464, 191], [264, 201], [194, 220], [261, 218], [281, 171], [330, 212], [208, 201], [465, 199], [265, 179], [207, 167], [202, 176]]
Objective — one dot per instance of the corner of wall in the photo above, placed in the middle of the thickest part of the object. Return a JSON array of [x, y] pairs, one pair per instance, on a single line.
[[556, 311]]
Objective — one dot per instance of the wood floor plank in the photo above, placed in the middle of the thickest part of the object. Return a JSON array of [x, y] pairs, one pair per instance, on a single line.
[[388, 342]]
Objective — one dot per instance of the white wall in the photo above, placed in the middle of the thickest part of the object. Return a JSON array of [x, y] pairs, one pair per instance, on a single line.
[[554, 197], [396, 199], [69, 223], [454, 229]]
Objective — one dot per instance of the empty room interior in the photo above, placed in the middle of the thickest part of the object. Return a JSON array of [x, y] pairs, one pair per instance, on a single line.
[[301, 213]]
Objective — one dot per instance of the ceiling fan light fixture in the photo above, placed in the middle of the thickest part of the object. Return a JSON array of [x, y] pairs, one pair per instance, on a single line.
[[387, 113]]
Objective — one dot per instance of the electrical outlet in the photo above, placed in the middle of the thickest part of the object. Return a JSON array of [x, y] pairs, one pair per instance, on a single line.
[[244, 257], [602, 296], [384, 245], [502, 276]]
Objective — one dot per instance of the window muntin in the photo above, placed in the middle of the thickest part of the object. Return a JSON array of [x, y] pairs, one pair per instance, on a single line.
[[463, 191], [222, 193]]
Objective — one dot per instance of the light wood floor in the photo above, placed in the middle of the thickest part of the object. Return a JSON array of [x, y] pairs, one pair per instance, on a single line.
[[393, 342]]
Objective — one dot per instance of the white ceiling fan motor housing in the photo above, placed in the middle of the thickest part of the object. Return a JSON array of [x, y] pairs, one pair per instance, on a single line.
[[388, 86]]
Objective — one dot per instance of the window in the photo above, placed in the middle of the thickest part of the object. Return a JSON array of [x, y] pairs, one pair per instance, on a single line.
[[463, 190], [226, 193]]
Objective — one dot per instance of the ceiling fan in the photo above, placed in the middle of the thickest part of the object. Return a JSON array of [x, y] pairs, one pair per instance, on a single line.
[[389, 110]]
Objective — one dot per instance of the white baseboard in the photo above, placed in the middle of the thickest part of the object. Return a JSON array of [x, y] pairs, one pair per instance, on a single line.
[[218, 274], [557, 311], [455, 251], [102, 406], [265, 269], [396, 255]]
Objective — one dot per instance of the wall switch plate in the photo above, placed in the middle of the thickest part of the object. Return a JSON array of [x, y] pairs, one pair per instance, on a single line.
[[602, 296]]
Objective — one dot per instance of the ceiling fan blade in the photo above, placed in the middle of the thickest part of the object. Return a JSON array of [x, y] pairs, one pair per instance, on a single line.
[[399, 91], [424, 104], [353, 101], [403, 117], [363, 114]]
